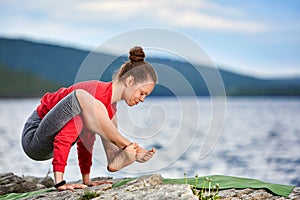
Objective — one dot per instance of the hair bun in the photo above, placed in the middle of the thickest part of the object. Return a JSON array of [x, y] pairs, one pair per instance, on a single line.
[[136, 54]]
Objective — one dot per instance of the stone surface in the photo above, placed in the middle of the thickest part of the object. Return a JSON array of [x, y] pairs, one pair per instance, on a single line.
[[295, 195], [10, 182], [147, 187], [256, 194], [45, 181], [62, 195]]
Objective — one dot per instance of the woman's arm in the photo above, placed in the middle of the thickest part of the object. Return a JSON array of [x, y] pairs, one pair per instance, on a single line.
[[109, 127], [61, 148], [111, 149], [115, 121], [96, 119], [141, 156]]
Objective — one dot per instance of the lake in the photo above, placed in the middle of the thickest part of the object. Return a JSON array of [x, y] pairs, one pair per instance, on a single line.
[[259, 138]]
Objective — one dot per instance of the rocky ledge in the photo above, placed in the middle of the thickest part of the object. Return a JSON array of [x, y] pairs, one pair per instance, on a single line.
[[145, 187]]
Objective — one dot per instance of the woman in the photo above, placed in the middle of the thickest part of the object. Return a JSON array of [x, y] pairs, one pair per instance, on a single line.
[[75, 114]]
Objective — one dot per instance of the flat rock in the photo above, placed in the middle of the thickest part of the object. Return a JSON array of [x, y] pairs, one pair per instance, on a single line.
[[10, 182], [148, 187], [256, 194], [62, 195]]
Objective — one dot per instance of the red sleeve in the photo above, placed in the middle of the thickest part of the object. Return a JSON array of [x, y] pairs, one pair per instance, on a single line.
[[63, 142], [85, 149]]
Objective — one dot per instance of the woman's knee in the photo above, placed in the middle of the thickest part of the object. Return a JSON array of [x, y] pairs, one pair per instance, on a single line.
[[86, 101], [83, 96]]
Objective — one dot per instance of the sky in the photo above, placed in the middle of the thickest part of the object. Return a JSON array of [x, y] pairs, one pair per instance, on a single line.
[[258, 37]]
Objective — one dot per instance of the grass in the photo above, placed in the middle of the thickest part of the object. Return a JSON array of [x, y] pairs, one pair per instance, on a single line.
[[210, 193], [89, 195]]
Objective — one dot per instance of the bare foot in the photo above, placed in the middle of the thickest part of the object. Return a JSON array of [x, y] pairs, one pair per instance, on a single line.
[[95, 183], [143, 155], [123, 158], [71, 187]]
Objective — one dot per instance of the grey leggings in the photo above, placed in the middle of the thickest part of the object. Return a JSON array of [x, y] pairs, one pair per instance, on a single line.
[[38, 134]]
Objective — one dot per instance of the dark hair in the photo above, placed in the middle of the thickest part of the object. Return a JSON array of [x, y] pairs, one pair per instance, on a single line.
[[136, 67]]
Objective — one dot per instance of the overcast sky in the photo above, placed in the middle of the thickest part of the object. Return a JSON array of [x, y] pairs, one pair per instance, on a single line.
[[257, 37]]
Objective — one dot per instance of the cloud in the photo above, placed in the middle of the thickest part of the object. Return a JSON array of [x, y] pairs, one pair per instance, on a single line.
[[123, 7], [111, 10], [210, 16], [90, 14], [195, 14]]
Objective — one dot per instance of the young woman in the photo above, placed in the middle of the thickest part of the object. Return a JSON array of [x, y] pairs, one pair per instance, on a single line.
[[75, 114]]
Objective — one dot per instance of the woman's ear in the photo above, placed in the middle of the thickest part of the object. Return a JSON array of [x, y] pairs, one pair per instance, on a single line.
[[129, 81]]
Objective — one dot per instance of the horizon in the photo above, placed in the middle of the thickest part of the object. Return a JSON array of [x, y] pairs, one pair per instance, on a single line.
[[154, 55]]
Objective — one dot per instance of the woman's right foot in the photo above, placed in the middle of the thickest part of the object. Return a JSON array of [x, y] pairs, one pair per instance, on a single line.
[[143, 155]]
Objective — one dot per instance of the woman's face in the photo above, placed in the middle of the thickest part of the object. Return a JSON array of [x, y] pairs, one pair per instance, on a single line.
[[135, 93]]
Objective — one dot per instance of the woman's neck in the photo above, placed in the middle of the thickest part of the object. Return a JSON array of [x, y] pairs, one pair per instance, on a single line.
[[117, 91]]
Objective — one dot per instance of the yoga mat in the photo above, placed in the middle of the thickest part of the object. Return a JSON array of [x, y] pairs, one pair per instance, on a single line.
[[15, 196], [227, 182]]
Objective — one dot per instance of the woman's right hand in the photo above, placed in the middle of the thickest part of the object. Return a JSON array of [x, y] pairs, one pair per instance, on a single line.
[[71, 186]]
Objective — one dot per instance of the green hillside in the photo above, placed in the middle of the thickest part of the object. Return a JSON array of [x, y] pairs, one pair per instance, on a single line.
[[14, 83], [245, 85], [31, 68]]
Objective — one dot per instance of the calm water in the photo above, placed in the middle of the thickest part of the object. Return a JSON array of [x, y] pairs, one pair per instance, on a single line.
[[260, 139]]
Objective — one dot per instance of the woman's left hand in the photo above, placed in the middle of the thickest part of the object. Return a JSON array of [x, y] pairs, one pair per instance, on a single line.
[[95, 183]]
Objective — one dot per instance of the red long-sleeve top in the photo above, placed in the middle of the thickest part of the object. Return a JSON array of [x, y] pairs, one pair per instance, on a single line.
[[68, 135]]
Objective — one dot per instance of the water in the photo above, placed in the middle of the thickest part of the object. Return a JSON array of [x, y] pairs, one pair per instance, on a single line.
[[260, 139]]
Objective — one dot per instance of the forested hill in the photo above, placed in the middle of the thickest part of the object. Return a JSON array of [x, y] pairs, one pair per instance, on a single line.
[[30, 68]]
